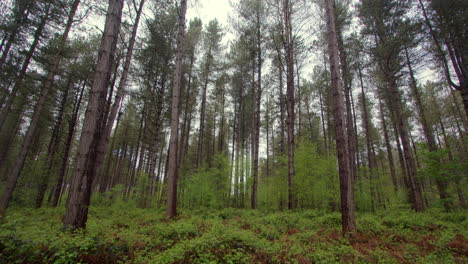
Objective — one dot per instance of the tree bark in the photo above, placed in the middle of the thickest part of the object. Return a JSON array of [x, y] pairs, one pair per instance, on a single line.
[[288, 47], [346, 185], [83, 175], [172, 162]]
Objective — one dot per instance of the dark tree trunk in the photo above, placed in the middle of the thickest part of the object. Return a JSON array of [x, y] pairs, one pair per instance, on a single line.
[[172, 162], [108, 121], [288, 46], [79, 197], [346, 185]]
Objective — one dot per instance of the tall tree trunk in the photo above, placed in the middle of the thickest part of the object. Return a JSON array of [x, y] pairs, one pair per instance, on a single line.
[[14, 175], [346, 185], [172, 164], [108, 121], [282, 104], [79, 197], [288, 46], [347, 91], [257, 99]]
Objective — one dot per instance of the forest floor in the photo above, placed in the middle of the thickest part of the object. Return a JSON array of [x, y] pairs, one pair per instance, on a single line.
[[123, 234]]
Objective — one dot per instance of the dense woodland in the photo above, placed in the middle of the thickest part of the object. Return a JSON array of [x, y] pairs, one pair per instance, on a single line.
[[336, 107]]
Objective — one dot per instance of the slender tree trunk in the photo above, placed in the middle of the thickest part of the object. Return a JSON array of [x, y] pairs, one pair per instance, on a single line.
[[282, 104], [172, 164], [288, 46], [347, 91], [80, 191], [257, 99], [346, 185]]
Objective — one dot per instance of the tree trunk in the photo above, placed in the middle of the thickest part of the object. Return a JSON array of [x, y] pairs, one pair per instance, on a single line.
[[172, 164], [288, 46], [83, 175], [346, 185], [281, 102], [108, 121], [257, 99]]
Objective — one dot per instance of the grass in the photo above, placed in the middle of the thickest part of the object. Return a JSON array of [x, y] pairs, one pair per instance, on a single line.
[[123, 234]]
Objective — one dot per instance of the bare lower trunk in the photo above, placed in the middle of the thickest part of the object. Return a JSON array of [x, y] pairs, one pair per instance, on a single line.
[[288, 46], [109, 120], [172, 162], [80, 191], [346, 186]]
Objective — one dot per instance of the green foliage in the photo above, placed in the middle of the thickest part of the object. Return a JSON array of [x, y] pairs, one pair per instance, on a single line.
[[208, 188], [316, 178], [122, 234]]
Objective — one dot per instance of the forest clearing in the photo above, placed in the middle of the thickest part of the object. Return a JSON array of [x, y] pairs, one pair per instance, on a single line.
[[233, 131]]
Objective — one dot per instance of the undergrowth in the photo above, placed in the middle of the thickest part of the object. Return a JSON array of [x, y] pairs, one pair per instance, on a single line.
[[123, 234]]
